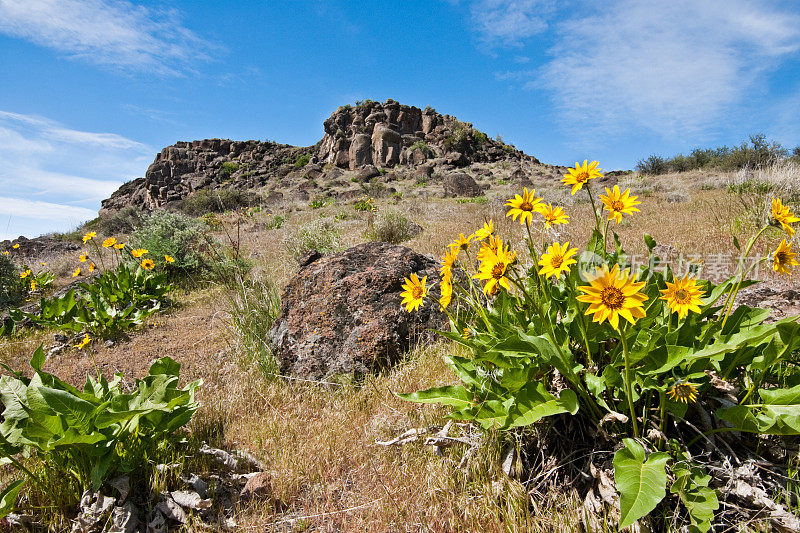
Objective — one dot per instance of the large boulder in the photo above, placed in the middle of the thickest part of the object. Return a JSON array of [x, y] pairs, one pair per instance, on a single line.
[[341, 314], [460, 184]]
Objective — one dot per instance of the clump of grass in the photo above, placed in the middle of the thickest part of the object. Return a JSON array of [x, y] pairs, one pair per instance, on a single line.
[[176, 235], [393, 227], [216, 201], [302, 160], [229, 167], [253, 305], [123, 221], [320, 235]]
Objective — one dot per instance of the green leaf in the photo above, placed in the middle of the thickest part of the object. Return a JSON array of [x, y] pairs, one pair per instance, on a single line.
[[454, 395], [641, 483], [778, 414], [534, 403], [8, 497], [650, 242], [37, 360], [736, 243], [691, 486], [76, 411], [165, 366]]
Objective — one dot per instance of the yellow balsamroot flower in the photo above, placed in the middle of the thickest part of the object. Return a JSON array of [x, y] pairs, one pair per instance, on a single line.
[[83, 258], [92, 267], [484, 232], [169, 259], [447, 262], [148, 264], [683, 296], [613, 294], [15, 245], [493, 270], [139, 252], [490, 248], [683, 392], [557, 259], [446, 287], [523, 206], [581, 174], [462, 243], [25, 274], [783, 216], [84, 342], [89, 236], [414, 292], [33, 284], [119, 246], [108, 243], [618, 204], [553, 215], [783, 259], [5, 253], [76, 273]]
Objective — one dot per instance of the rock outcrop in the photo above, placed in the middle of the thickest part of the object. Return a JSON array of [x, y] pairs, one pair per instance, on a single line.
[[341, 314], [367, 140]]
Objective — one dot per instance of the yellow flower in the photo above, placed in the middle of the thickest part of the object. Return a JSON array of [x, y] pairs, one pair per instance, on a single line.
[[490, 247], [484, 232], [493, 270], [784, 258], [43, 263], [466, 333], [414, 292], [783, 216], [617, 203], [462, 243], [139, 252], [89, 236], [25, 274], [553, 215], [557, 259], [108, 243], [683, 392], [91, 267], [612, 294], [5, 253], [447, 262], [446, 288], [84, 342], [83, 258], [119, 246], [523, 206], [15, 246], [683, 296], [76, 273], [148, 264], [33, 284], [581, 174], [169, 259]]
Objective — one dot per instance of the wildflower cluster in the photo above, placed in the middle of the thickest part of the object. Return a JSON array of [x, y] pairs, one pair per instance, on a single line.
[[119, 252], [365, 203], [575, 331]]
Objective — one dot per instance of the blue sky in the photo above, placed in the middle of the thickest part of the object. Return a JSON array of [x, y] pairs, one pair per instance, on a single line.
[[90, 90]]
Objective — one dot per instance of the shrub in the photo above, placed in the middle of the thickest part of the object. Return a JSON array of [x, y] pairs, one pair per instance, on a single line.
[[87, 437], [274, 222], [302, 160], [320, 202], [320, 235], [653, 165], [480, 137], [422, 146], [123, 221], [176, 235], [393, 227], [12, 290], [216, 201], [229, 167], [365, 204], [457, 137]]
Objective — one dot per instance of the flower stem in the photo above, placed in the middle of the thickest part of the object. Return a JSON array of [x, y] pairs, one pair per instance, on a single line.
[[628, 385]]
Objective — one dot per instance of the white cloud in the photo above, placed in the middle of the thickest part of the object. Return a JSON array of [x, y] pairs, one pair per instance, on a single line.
[[109, 33], [509, 22], [44, 165], [674, 66]]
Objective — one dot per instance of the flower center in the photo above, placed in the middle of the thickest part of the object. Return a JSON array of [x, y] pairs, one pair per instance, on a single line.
[[781, 258], [526, 206], [582, 176], [556, 260], [612, 297], [498, 270], [616, 205], [682, 296], [416, 292]]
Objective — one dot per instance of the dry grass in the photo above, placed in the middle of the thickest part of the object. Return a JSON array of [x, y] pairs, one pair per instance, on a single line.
[[318, 441]]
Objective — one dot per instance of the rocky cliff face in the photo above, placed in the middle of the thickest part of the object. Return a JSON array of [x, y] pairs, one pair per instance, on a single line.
[[365, 140]]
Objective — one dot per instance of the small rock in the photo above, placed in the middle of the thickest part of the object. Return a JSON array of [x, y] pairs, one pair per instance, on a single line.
[[190, 500], [108, 344]]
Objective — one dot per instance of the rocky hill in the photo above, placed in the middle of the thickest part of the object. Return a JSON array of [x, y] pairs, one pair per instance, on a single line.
[[385, 141]]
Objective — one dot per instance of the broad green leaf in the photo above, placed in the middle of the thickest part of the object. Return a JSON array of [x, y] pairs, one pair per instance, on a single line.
[[533, 403], [778, 414], [75, 410], [691, 485], [37, 360], [8, 497], [165, 366], [641, 481], [454, 395]]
